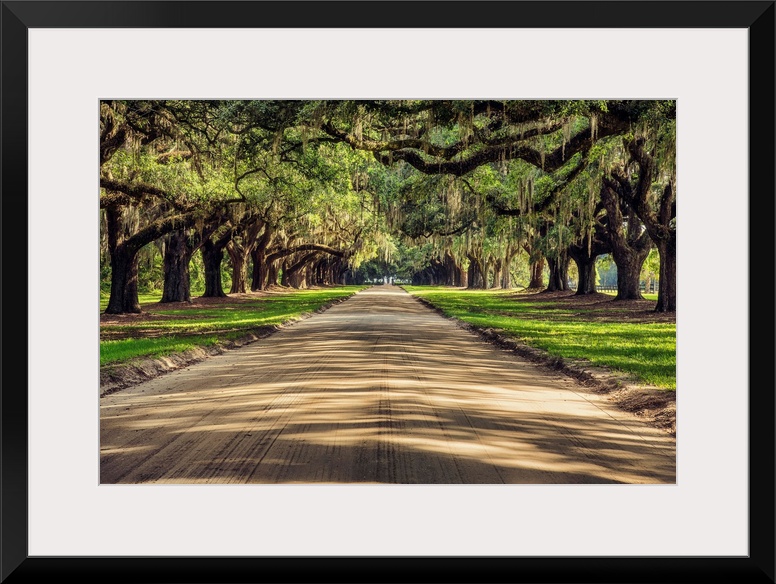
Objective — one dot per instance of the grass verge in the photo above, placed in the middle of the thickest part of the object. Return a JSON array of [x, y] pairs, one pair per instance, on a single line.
[[163, 330], [144, 298], [601, 334]]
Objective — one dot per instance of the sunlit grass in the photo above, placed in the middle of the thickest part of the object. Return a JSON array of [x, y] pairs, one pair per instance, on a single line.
[[647, 296], [125, 349], [192, 327], [645, 350], [144, 298]]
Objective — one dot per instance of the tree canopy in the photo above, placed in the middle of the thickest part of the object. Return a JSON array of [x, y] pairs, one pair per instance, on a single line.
[[302, 192]]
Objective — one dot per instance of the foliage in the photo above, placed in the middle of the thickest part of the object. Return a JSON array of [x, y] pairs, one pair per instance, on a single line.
[[381, 184]]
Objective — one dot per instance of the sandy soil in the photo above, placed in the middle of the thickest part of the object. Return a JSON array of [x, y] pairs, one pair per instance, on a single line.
[[377, 389]]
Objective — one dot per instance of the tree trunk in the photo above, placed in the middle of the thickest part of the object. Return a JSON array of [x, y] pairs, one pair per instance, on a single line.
[[177, 254], [630, 244], [459, 277], [666, 295], [628, 274], [559, 274], [506, 278], [123, 286], [239, 260], [586, 269], [319, 273], [585, 256], [629, 260], [335, 270], [272, 259], [240, 249], [345, 276], [536, 265], [283, 271], [123, 263], [506, 270], [537, 274], [124, 250], [259, 255], [292, 275], [658, 220], [290, 280], [664, 237], [260, 277], [341, 272], [497, 264], [486, 263], [475, 278], [452, 271], [272, 274], [323, 272], [212, 256]]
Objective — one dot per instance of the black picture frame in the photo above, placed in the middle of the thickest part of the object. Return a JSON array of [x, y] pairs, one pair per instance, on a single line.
[[757, 17]]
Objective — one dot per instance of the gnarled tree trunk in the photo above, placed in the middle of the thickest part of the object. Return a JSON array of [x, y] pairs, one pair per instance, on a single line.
[[475, 275], [177, 255], [212, 256], [663, 235], [630, 245], [559, 273], [586, 271], [536, 266], [239, 249], [124, 291], [506, 271], [585, 256], [273, 269], [658, 220], [629, 264], [259, 280], [453, 272], [666, 296], [292, 275], [486, 267], [123, 285], [497, 265], [239, 260], [537, 274]]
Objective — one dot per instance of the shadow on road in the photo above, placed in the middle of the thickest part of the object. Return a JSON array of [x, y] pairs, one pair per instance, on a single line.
[[378, 389]]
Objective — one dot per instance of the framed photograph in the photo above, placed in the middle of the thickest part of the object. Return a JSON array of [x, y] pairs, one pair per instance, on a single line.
[[713, 523]]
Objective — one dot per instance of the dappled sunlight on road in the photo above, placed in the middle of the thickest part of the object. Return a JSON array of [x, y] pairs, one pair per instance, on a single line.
[[378, 389]]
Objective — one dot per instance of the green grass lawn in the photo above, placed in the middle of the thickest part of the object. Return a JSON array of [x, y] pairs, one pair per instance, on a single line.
[[144, 298], [645, 350], [649, 296], [190, 327]]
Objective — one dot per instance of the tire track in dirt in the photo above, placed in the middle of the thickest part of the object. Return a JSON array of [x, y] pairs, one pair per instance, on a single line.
[[575, 440], [378, 389], [213, 448]]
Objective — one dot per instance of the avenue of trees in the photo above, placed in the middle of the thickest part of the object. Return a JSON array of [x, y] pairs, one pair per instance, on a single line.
[[300, 193]]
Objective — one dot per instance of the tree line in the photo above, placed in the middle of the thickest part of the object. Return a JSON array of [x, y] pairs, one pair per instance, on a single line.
[[302, 192]]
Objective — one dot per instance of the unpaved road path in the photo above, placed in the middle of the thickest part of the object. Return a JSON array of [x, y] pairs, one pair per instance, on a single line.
[[377, 389]]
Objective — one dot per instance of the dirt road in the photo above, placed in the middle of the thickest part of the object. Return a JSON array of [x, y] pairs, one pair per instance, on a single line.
[[377, 389]]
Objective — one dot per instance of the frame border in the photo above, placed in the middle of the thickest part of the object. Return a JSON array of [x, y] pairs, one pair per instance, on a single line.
[[18, 16]]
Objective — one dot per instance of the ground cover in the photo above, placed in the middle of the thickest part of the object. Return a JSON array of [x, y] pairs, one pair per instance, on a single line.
[[164, 329], [625, 336]]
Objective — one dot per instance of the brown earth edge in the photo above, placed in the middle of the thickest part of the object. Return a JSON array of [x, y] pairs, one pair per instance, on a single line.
[[654, 405], [119, 376]]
